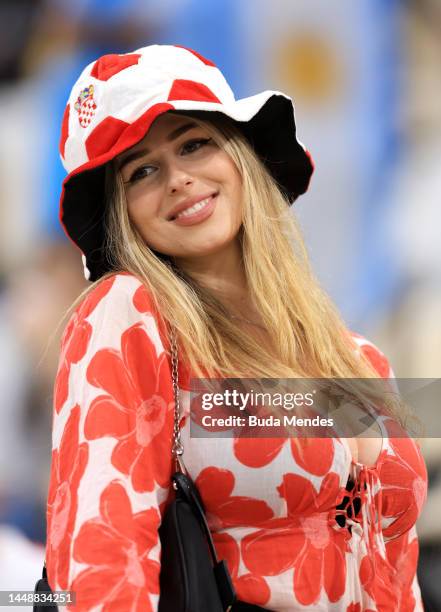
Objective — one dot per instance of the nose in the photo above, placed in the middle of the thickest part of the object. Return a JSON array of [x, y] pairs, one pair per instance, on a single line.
[[178, 179]]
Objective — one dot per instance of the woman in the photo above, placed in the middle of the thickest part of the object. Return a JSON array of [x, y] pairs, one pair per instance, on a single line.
[[177, 197]]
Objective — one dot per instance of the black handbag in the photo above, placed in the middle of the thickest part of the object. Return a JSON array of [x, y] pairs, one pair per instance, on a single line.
[[192, 579]]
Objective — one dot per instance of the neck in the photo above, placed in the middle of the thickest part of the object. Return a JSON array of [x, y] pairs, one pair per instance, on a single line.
[[223, 274]]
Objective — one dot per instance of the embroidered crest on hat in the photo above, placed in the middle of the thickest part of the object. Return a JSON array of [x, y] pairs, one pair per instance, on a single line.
[[85, 106]]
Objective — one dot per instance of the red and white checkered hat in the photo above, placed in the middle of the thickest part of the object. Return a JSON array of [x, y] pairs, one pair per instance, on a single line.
[[115, 101]]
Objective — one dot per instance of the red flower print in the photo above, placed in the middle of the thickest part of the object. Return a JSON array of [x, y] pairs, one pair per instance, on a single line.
[[249, 587], [76, 340], [315, 455], [404, 483], [137, 408], [356, 607], [269, 552], [312, 454], [228, 550], [306, 543], [253, 589], [142, 300], [74, 347], [257, 455], [302, 498], [224, 510], [68, 464], [405, 447], [403, 556], [116, 546], [322, 562], [377, 579]]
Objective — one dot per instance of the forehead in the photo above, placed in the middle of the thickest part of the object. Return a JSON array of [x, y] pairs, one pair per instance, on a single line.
[[164, 128]]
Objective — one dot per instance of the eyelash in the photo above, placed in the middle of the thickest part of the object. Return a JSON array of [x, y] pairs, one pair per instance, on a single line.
[[138, 174]]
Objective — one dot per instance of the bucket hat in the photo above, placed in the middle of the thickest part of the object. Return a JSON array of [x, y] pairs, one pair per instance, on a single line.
[[115, 101]]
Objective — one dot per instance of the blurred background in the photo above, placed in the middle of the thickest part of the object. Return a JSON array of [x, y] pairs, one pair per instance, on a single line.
[[365, 78]]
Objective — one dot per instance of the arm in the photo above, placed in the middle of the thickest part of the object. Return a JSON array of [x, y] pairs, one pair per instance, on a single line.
[[404, 479], [111, 463], [402, 554]]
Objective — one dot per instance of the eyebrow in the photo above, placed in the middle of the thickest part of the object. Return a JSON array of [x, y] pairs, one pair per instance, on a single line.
[[141, 152]]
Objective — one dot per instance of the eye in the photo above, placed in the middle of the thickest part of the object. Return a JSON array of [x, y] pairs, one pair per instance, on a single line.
[[140, 173], [194, 145]]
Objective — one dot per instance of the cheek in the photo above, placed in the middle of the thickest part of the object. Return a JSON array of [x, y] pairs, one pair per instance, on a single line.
[[234, 180], [144, 216], [236, 195], [142, 210]]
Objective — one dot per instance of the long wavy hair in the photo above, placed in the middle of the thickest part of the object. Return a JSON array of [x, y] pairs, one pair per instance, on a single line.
[[310, 340], [309, 337]]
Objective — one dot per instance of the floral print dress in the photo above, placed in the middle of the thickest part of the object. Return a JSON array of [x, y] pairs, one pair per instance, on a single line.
[[300, 524]]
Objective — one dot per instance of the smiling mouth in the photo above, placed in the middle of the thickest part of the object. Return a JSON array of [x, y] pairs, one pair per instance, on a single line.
[[194, 208]]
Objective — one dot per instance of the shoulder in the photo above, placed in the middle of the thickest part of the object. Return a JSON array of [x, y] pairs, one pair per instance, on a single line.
[[118, 290], [373, 354], [113, 305], [113, 330]]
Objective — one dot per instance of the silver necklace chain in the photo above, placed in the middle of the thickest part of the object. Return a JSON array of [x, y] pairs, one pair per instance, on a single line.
[[177, 449]]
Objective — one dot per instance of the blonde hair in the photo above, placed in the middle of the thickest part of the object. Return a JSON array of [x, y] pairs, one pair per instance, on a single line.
[[310, 338]]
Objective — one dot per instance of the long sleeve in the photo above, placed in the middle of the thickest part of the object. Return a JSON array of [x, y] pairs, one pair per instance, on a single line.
[[111, 457], [404, 482], [402, 554]]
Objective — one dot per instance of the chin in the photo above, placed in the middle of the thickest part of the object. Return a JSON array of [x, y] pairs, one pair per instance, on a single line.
[[201, 244], [209, 249]]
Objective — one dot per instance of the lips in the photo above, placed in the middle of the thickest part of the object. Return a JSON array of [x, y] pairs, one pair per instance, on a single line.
[[197, 213], [189, 203]]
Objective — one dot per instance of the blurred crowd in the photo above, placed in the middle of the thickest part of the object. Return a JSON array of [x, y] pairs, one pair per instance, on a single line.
[[376, 250]]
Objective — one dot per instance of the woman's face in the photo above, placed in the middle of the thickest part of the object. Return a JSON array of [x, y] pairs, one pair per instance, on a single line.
[[184, 193]]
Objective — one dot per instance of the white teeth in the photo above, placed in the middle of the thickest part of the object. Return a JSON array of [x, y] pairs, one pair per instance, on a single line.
[[194, 208]]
